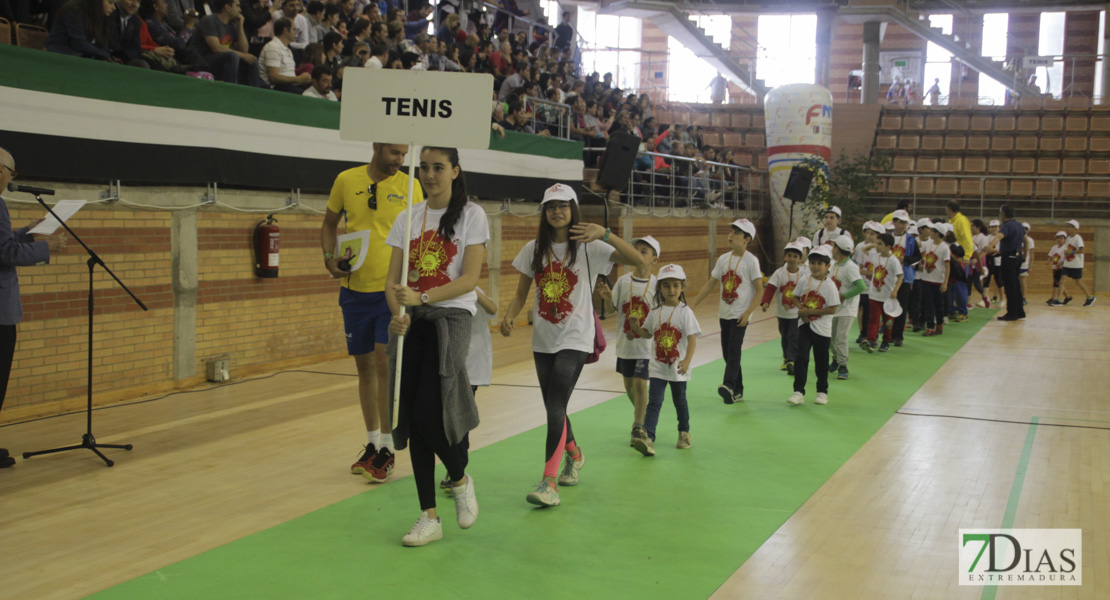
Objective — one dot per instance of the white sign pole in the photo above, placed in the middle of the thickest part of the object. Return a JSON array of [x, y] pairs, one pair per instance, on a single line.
[[404, 274]]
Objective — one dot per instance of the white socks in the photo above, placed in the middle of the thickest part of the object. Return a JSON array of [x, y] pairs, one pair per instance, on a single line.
[[374, 438], [387, 442]]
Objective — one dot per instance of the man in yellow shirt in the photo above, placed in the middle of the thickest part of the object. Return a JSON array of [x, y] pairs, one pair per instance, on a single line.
[[961, 226], [369, 197]]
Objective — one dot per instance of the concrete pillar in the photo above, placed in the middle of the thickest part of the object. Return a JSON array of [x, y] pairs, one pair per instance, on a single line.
[[1104, 86], [626, 224], [872, 38], [493, 259], [826, 26], [183, 250]]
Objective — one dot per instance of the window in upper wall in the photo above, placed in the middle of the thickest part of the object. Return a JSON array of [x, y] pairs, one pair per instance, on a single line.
[[938, 63], [1051, 79], [612, 46], [995, 28], [787, 50]]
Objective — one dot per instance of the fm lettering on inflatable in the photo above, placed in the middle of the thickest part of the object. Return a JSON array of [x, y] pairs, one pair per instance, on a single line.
[[799, 127]]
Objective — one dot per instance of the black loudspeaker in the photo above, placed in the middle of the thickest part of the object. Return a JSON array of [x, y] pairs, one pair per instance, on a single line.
[[797, 187], [616, 168]]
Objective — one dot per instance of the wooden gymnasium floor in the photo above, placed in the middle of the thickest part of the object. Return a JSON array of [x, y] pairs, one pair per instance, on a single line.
[[213, 466]]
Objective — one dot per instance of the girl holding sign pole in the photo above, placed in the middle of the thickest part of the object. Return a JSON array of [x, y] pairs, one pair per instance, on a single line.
[[563, 259], [436, 406]]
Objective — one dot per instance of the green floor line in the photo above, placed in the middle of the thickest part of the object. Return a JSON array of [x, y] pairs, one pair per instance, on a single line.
[[673, 526], [1015, 493]]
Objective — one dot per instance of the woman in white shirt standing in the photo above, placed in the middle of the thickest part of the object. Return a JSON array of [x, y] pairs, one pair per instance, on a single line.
[[563, 260], [436, 405]]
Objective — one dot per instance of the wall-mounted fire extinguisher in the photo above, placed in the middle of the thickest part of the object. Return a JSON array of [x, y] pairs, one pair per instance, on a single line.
[[266, 247]]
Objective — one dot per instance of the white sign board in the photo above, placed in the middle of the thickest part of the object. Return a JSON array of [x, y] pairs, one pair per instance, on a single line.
[[426, 108], [1032, 62]]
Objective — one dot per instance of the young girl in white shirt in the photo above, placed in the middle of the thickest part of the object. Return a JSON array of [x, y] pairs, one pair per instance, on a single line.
[[436, 411], [674, 331], [563, 260]]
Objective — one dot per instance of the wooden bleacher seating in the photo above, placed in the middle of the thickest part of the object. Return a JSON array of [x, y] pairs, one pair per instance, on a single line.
[[5, 31], [31, 36]]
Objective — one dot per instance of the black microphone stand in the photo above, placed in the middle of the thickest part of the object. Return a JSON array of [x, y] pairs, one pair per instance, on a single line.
[[87, 440]]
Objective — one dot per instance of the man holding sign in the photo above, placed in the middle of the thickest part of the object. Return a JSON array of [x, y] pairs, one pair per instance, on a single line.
[[369, 197]]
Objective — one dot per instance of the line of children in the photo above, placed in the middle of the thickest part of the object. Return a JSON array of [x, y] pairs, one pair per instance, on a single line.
[[935, 267], [1060, 294], [781, 285], [673, 330]]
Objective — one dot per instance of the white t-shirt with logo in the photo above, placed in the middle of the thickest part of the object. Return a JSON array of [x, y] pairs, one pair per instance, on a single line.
[[1073, 252], [886, 274], [934, 257], [817, 293], [672, 327], [479, 359], [866, 262], [1028, 253], [843, 276], [785, 282], [633, 297], [1056, 256], [432, 259], [737, 276], [563, 311]]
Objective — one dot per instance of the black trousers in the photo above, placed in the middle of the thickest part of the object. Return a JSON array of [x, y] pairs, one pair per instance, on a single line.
[[732, 346], [899, 327], [421, 395], [820, 344], [7, 353], [1011, 282]]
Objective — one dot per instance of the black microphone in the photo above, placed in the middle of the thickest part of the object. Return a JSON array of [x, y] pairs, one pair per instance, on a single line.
[[12, 187]]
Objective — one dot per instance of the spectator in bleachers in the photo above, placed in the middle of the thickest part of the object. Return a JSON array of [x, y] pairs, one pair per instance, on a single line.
[[347, 12], [450, 29], [313, 57], [499, 60], [81, 29], [514, 81], [372, 13], [600, 128], [124, 39], [153, 13], [379, 54], [451, 61], [359, 31], [333, 55], [290, 9], [315, 13], [358, 58], [321, 85], [515, 120], [395, 35], [277, 67], [181, 16], [222, 43], [564, 33], [258, 24]]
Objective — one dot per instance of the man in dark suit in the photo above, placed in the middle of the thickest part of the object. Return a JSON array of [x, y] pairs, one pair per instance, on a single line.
[[124, 37], [17, 248]]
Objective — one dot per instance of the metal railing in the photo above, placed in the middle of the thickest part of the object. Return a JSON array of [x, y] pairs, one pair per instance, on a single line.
[[1034, 204], [736, 190], [554, 115]]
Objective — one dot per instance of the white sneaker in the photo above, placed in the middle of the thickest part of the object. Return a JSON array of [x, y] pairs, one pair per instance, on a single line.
[[426, 530], [571, 467], [466, 504], [796, 398], [545, 494], [822, 398]]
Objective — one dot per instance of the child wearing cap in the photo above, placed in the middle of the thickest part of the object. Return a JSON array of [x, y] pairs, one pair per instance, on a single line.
[[994, 266], [817, 300], [977, 264], [957, 283], [831, 229], [781, 285], [741, 283], [906, 250], [562, 260], [631, 298], [919, 232], [845, 275], [934, 277], [866, 257], [1073, 259], [886, 281], [1026, 261], [1056, 261], [673, 331]]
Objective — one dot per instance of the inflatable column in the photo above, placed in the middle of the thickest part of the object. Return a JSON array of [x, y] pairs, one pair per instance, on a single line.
[[799, 127]]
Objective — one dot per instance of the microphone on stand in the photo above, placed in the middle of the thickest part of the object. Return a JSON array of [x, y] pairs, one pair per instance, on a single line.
[[12, 187]]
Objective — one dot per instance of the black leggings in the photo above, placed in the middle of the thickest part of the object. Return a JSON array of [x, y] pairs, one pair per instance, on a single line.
[[558, 374], [421, 396], [7, 353]]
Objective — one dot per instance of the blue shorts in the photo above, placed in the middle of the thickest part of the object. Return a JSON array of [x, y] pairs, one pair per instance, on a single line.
[[633, 367], [366, 318]]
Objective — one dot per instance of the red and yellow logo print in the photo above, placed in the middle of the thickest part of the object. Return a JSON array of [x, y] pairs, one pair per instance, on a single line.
[[788, 294], [634, 310], [930, 261], [899, 251], [553, 288], [430, 255], [812, 300], [730, 283], [879, 277], [667, 338], [1069, 253]]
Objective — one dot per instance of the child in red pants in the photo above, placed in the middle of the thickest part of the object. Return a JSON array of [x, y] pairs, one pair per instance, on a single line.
[[886, 278]]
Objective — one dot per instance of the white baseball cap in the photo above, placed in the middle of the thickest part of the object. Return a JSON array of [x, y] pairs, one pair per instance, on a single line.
[[1027, 226], [1061, 233], [875, 226], [822, 250], [889, 226], [892, 308], [835, 210], [671, 272], [650, 241], [559, 191], [994, 223], [844, 242], [912, 229], [924, 222], [803, 242], [1073, 223], [746, 226], [795, 247], [901, 215]]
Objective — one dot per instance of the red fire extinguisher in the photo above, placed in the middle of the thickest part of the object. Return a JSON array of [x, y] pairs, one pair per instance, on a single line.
[[266, 245]]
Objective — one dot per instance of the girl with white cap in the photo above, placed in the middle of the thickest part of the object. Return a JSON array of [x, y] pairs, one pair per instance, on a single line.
[[673, 330], [562, 261]]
